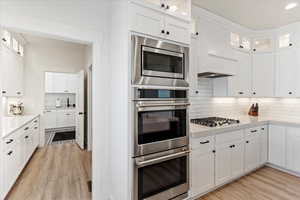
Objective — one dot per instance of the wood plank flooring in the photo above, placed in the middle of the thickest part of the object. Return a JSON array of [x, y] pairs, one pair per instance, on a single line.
[[56, 172], [264, 184]]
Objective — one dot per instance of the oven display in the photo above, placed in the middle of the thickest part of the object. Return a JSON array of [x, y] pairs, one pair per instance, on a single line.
[[162, 94]]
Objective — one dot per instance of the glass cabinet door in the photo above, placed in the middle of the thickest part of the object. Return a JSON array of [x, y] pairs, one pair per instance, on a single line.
[[150, 3], [263, 45], [179, 8]]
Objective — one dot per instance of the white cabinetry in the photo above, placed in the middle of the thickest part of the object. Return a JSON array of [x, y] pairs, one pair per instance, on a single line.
[[240, 84], [293, 149], [12, 68], [263, 74], [202, 165], [59, 118], [229, 156], [287, 72], [60, 82], [252, 149], [264, 144], [277, 145], [158, 24], [17, 148]]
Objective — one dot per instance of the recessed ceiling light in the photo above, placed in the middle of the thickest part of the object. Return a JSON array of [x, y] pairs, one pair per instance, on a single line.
[[291, 5]]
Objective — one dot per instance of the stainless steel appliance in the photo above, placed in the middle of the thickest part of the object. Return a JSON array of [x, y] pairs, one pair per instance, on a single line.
[[214, 121], [160, 120], [161, 139], [159, 63], [162, 176]]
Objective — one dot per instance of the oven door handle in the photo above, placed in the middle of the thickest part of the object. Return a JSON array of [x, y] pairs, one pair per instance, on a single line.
[[140, 105], [160, 159]]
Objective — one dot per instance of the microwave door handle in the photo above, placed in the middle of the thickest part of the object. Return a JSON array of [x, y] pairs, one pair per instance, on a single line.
[[160, 159]]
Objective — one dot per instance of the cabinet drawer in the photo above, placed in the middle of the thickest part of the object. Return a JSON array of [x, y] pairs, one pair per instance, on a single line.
[[11, 140], [229, 137], [204, 144]]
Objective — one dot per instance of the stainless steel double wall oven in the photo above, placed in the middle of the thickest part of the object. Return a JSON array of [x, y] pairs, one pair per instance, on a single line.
[[161, 122]]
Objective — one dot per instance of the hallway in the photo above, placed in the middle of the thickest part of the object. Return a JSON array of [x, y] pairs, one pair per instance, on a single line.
[[55, 172]]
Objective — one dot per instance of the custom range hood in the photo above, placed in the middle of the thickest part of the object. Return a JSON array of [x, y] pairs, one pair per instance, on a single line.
[[212, 75]]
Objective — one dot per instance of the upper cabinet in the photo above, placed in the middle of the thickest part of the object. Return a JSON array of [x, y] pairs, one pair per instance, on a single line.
[[163, 22], [12, 65], [60, 82], [288, 39], [263, 44], [240, 42]]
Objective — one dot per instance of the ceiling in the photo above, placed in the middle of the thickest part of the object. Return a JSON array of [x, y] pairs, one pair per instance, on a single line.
[[254, 14]]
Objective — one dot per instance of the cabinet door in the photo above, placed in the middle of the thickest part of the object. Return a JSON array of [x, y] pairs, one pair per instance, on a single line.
[[147, 21], [240, 84], [50, 119], [194, 64], [223, 164], [264, 142], [252, 153], [277, 145], [263, 64], [179, 8], [19, 74], [202, 173], [288, 69], [60, 83], [237, 159], [156, 4], [293, 149], [61, 119], [178, 31], [49, 82], [72, 81], [71, 121]]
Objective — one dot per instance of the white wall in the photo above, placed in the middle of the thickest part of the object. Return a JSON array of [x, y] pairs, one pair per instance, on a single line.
[[76, 20], [42, 55]]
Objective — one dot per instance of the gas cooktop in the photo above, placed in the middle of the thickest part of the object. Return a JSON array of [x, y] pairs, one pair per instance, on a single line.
[[214, 121]]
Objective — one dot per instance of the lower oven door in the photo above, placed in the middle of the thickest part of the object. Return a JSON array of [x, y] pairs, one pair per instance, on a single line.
[[160, 127], [162, 176]]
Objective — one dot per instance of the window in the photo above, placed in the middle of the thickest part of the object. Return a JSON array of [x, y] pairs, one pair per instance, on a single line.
[[6, 38], [234, 40], [15, 45], [284, 41], [21, 50]]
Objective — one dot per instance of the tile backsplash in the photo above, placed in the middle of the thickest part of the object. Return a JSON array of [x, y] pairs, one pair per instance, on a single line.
[[50, 100], [204, 105]]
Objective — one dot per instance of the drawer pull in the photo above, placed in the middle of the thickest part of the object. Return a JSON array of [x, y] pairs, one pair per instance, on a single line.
[[35, 121], [9, 153], [10, 141], [26, 137], [214, 151], [247, 142], [263, 129], [26, 128], [35, 127], [254, 131], [206, 142]]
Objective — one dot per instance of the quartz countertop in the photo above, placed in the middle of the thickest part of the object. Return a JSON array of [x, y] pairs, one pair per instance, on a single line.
[[245, 122], [11, 124]]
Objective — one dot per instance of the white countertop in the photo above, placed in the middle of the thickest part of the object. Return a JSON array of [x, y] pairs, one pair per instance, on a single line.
[[11, 124], [245, 122]]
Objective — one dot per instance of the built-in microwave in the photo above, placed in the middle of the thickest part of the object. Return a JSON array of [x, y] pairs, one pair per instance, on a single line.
[[159, 63]]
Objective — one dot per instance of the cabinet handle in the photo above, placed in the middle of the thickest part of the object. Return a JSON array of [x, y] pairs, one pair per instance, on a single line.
[[214, 151], [35, 121], [18, 93], [290, 93], [168, 33], [254, 93], [233, 146], [263, 129], [206, 142], [35, 127], [290, 44], [26, 137], [163, 31], [254, 131], [4, 40], [3, 92], [247, 142], [25, 129], [197, 33], [254, 49], [10, 141], [9, 153], [163, 5], [167, 7], [241, 46], [241, 92]]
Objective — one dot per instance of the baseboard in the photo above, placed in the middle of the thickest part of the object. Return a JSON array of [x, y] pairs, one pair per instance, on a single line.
[[283, 169]]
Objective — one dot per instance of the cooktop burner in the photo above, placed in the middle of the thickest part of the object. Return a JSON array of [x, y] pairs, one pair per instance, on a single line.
[[214, 121]]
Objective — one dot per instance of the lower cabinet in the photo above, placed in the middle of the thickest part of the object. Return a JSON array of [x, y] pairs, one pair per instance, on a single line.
[[216, 160], [277, 145], [293, 149], [59, 119], [17, 149], [229, 161]]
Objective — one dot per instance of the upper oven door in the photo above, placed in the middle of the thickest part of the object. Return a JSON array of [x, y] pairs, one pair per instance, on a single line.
[[162, 63], [160, 127], [158, 63]]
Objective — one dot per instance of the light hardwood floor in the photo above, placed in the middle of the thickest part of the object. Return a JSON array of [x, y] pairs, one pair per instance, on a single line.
[[264, 184], [56, 172]]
